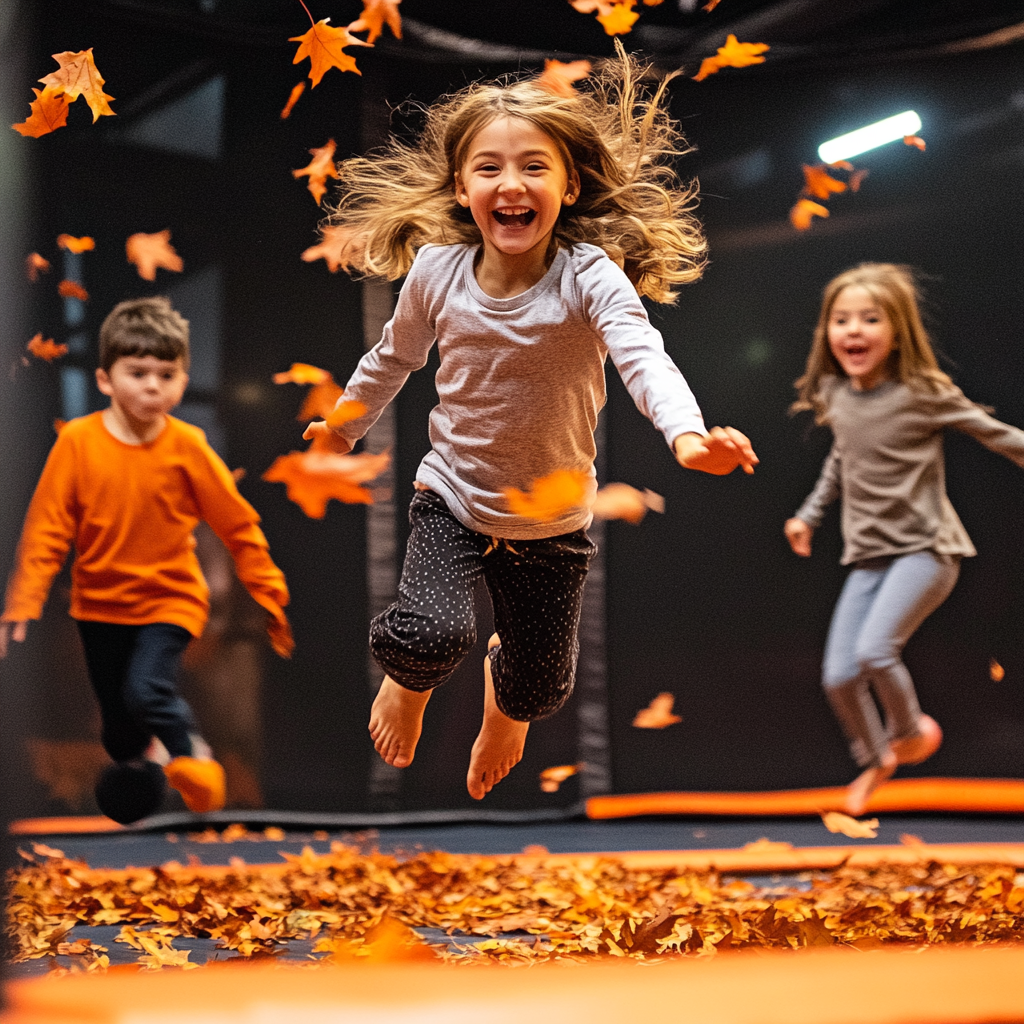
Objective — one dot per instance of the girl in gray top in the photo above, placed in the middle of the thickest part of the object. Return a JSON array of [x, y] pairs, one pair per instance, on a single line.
[[873, 379], [529, 223]]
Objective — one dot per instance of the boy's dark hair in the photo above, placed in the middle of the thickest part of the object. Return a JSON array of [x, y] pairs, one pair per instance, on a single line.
[[144, 327]]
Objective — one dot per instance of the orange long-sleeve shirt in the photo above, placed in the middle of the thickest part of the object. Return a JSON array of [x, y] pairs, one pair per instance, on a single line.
[[130, 511]]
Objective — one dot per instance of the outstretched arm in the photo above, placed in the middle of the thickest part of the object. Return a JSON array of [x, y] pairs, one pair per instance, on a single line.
[[719, 453]]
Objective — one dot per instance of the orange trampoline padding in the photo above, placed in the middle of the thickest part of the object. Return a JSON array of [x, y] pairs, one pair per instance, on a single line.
[[962, 796], [951, 985], [63, 826]]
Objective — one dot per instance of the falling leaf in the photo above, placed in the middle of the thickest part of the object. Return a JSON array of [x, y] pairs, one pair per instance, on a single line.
[[801, 214], [996, 672], [46, 349], [72, 244], [49, 111], [914, 140], [847, 826], [377, 13], [72, 290], [592, 6], [78, 76], [819, 183], [293, 98], [552, 778], [321, 401], [324, 46], [620, 501], [302, 373], [238, 474], [148, 252], [319, 169], [46, 851], [337, 245], [619, 20], [733, 55], [557, 78], [312, 478], [657, 714], [550, 496], [856, 177], [36, 265], [344, 412], [710, 6]]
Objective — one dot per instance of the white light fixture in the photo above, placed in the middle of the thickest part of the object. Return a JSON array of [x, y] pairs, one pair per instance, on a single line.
[[870, 137]]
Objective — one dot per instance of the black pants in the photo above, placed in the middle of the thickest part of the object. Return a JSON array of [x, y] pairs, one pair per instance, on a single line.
[[536, 588], [134, 670]]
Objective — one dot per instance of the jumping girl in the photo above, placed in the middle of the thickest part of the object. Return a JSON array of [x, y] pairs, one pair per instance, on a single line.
[[528, 225], [873, 379]]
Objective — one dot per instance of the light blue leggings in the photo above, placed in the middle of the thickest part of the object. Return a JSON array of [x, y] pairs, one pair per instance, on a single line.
[[884, 601]]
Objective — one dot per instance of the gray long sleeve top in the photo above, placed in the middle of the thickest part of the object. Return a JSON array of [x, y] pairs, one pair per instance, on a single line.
[[521, 380], [887, 464]]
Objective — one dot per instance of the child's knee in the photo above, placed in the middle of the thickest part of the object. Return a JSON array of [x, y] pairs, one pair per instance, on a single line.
[[532, 696], [431, 648]]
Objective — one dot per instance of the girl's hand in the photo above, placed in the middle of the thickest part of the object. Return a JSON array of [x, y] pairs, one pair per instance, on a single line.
[[324, 439], [719, 453], [799, 534], [11, 631]]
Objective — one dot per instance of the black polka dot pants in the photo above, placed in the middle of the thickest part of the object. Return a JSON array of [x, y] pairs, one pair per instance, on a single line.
[[536, 588]]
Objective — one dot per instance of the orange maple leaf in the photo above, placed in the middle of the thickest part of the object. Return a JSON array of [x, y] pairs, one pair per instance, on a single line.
[[834, 821], [72, 290], [801, 214], [549, 496], [733, 55], [44, 348], [293, 98], [657, 714], [338, 246], [302, 373], [319, 169], [819, 183], [324, 46], [312, 478], [552, 778], [602, 7], [619, 20], [78, 77], [710, 6], [343, 412], [620, 501], [557, 78], [72, 244], [996, 672], [914, 140], [35, 265], [320, 402], [148, 252], [375, 14], [49, 112]]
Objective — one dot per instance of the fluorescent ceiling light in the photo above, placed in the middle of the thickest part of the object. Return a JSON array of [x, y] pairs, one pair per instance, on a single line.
[[870, 137]]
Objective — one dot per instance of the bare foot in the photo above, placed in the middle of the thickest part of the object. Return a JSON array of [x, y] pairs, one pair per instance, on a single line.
[[499, 746], [859, 791], [915, 749], [396, 720]]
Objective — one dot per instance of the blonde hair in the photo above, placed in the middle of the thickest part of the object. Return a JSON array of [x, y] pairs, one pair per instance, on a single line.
[[616, 134], [912, 361]]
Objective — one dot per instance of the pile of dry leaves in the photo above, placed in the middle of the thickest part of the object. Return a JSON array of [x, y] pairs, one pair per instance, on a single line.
[[355, 904]]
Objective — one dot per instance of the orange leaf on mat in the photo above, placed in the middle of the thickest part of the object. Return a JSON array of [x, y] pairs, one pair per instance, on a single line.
[[819, 183], [36, 265], [72, 290], [377, 13], [302, 373], [914, 140], [324, 45], [78, 76], [72, 244], [337, 245], [49, 111], [996, 672], [148, 252], [293, 98], [733, 55], [549, 496], [552, 778], [801, 214], [319, 169], [44, 348], [834, 821], [558, 77], [312, 478], [657, 714]]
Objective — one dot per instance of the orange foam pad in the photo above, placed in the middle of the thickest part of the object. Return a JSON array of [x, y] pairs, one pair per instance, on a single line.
[[963, 796], [943, 985]]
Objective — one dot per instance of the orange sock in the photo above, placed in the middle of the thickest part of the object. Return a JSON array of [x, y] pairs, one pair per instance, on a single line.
[[200, 781]]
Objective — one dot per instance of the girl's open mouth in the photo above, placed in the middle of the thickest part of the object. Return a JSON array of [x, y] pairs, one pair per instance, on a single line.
[[519, 219]]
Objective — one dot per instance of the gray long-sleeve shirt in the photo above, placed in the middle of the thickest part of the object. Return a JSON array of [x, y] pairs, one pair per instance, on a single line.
[[887, 464], [521, 380]]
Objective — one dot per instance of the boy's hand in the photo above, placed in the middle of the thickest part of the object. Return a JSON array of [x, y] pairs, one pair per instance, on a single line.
[[719, 453], [11, 631], [799, 534], [324, 439]]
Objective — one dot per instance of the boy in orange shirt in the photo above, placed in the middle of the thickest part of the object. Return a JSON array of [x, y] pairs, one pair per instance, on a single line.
[[127, 486]]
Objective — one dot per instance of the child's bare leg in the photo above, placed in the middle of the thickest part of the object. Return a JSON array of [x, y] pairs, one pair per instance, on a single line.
[[921, 745], [396, 721], [499, 746], [859, 791]]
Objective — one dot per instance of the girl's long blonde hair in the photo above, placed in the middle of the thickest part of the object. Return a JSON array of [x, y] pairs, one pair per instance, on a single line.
[[616, 134], [913, 362]]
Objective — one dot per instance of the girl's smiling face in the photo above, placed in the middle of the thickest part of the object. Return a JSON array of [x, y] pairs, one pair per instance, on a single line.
[[861, 337], [514, 182]]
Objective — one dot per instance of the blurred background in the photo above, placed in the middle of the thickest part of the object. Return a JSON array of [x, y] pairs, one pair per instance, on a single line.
[[705, 601]]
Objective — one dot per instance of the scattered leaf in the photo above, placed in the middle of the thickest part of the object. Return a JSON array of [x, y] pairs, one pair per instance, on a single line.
[[338, 246], [549, 497], [710, 6], [552, 778], [658, 714], [72, 290], [819, 183], [535, 850], [148, 252], [46, 349], [733, 55], [293, 98], [274, 834], [344, 412], [49, 111], [72, 244], [42, 850], [602, 7], [319, 169], [620, 19], [914, 140], [557, 78], [320, 402], [238, 474], [620, 501], [36, 265], [996, 672], [377, 13], [302, 373], [907, 839], [78, 76], [312, 478], [325, 45], [834, 821], [801, 214]]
